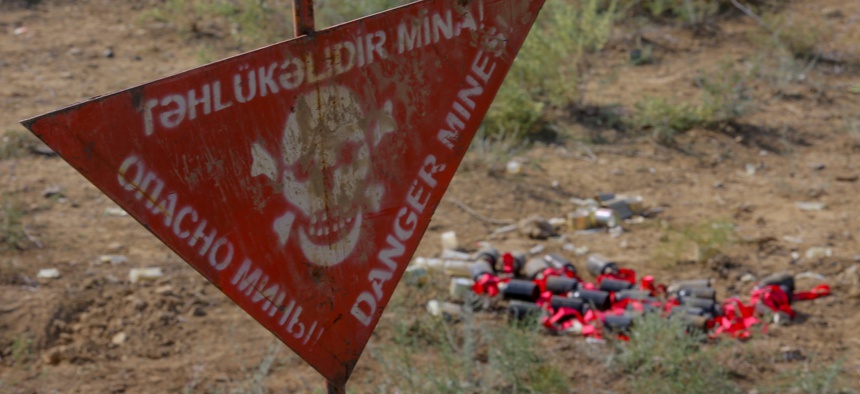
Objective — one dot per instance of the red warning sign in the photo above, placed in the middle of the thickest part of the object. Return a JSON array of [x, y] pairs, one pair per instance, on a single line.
[[300, 177]]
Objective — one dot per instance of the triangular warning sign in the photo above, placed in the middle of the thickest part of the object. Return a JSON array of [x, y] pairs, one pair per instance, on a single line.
[[300, 177]]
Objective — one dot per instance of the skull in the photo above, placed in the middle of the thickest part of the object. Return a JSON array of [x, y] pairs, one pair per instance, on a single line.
[[326, 163]]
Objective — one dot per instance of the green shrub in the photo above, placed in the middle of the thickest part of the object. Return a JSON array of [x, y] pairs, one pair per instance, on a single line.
[[814, 379], [431, 355], [695, 243], [663, 357], [12, 235], [548, 69], [15, 144], [723, 98]]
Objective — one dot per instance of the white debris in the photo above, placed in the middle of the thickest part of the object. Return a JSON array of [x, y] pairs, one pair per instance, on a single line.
[[818, 252], [794, 240], [48, 273], [448, 254], [449, 241], [115, 212], [537, 249], [444, 310], [810, 206], [137, 274], [113, 259], [810, 275], [514, 167]]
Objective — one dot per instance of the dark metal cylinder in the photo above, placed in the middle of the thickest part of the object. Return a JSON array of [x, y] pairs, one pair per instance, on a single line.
[[689, 284], [782, 279], [519, 263], [709, 306], [534, 267], [646, 307], [698, 292], [559, 262], [520, 310], [613, 285], [689, 310], [639, 295], [523, 290], [598, 265], [480, 268], [561, 285], [557, 302], [599, 299], [490, 255], [618, 322]]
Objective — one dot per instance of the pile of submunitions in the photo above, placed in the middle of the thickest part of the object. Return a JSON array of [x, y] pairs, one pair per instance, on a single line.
[[551, 288]]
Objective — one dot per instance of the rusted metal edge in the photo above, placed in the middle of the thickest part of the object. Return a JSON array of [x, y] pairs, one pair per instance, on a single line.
[[303, 17]]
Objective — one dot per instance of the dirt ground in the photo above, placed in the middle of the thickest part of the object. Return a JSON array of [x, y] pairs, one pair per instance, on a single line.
[[91, 331]]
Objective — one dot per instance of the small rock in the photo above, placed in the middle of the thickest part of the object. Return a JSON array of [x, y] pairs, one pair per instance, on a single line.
[[164, 290], [91, 283], [415, 276], [746, 278], [108, 53], [617, 172], [536, 227], [48, 273], [52, 191], [555, 184], [817, 166], [750, 169], [834, 13], [118, 339], [198, 311], [851, 276], [74, 51], [43, 150], [52, 357], [810, 206], [21, 30], [790, 354], [718, 185], [115, 247]]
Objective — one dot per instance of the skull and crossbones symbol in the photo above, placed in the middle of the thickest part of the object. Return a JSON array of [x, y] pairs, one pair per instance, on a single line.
[[324, 169]]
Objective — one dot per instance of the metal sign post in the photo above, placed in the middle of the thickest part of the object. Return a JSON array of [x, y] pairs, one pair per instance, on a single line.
[[303, 17], [300, 177]]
